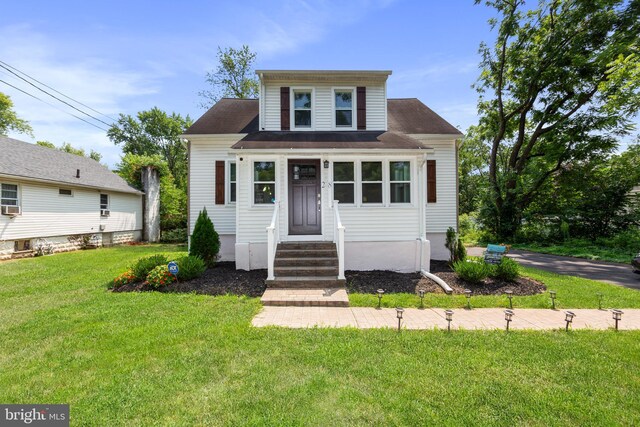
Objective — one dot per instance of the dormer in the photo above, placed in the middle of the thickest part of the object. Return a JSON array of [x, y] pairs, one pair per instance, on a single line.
[[313, 100]]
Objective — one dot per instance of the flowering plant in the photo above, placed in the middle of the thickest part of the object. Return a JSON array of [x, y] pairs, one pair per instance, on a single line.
[[160, 276], [124, 279]]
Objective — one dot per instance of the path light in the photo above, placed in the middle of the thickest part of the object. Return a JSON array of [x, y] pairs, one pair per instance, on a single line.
[[617, 316], [467, 293], [449, 316], [553, 299], [421, 293], [380, 293], [399, 311], [509, 295], [569, 315], [600, 300], [508, 316]]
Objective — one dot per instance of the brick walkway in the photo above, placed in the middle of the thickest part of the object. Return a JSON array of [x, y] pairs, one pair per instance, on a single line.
[[431, 318]]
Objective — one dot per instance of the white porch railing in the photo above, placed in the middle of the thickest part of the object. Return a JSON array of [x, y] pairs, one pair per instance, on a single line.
[[338, 239], [273, 238]]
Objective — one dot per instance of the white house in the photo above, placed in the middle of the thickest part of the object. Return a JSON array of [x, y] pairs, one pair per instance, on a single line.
[[52, 201], [324, 156]]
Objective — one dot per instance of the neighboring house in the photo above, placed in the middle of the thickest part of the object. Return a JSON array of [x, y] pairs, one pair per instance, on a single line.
[[55, 201], [318, 136]]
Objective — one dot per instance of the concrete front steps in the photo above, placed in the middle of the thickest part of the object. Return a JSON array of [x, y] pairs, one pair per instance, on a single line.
[[306, 274]]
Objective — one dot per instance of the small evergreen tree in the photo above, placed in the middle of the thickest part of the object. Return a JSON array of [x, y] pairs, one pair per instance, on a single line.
[[461, 251], [205, 241], [451, 244]]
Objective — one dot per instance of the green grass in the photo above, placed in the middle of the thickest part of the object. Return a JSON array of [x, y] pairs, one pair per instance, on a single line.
[[572, 292], [169, 359], [580, 248]]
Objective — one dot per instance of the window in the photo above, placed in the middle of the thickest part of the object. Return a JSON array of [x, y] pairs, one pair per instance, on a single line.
[[400, 182], [343, 182], [65, 192], [344, 108], [264, 182], [9, 195], [232, 182], [302, 108], [371, 175], [104, 205]]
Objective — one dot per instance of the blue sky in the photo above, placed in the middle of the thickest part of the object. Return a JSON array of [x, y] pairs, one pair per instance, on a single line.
[[127, 56]]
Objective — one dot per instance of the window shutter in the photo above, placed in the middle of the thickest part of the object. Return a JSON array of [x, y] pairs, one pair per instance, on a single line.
[[285, 117], [220, 182], [362, 107], [431, 181]]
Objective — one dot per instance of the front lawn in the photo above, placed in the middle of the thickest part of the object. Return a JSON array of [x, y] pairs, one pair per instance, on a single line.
[[155, 358]]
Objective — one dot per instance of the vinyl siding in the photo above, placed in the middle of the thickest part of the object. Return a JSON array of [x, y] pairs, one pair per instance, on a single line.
[[322, 115], [45, 213]]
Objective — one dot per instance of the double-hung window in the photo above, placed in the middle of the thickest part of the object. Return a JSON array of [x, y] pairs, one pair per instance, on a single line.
[[264, 182], [371, 177], [104, 204], [343, 103], [400, 182], [232, 182], [343, 182], [9, 195], [302, 108]]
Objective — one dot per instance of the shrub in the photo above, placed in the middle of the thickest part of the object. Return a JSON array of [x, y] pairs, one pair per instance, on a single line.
[[205, 241], [160, 276], [177, 235], [472, 271], [507, 269], [190, 267], [461, 251], [143, 266], [124, 279]]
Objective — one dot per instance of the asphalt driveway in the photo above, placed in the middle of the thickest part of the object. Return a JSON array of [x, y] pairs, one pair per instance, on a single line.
[[610, 272]]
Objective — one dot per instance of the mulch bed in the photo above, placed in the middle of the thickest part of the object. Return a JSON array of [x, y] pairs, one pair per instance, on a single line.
[[369, 282], [222, 279]]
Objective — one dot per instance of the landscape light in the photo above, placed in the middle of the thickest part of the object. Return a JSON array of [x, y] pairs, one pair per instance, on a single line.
[[421, 293], [508, 316], [380, 293], [449, 316], [467, 293], [509, 295], [617, 316], [553, 299], [600, 300], [569, 315], [399, 311]]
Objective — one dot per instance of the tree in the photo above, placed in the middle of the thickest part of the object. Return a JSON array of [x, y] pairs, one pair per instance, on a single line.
[[559, 85], [9, 120], [68, 148], [155, 132], [205, 241], [233, 78], [473, 165]]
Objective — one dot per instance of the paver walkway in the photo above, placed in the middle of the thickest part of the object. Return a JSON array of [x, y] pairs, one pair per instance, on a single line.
[[610, 272], [432, 318]]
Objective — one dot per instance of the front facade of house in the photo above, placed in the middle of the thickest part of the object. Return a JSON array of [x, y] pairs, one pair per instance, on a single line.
[[324, 153], [54, 201]]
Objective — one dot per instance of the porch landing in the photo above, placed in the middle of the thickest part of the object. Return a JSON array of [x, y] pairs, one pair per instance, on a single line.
[[333, 297]]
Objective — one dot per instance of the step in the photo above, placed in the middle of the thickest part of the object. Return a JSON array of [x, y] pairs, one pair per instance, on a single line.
[[306, 270], [307, 245], [306, 282], [306, 253], [330, 297], [306, 261]]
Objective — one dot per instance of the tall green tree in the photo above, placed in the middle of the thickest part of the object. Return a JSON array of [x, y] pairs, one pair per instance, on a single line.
[[473, 167], [155, 132], [233, 77], [559, 84], [9, 120], [68, 148]]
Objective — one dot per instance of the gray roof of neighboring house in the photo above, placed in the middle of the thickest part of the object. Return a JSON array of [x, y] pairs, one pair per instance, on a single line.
[[22, 159], [408, 116]]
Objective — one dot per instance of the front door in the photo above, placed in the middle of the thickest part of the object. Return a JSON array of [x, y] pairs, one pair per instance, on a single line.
[[304, 197]]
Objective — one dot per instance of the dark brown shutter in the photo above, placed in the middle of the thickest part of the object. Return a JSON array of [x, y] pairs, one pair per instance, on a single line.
[[219, 182], [362, 108], [285, 117], [431, 181]]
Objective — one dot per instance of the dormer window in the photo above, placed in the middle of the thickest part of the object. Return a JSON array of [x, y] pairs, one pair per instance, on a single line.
[[343, 105], [302, 108]]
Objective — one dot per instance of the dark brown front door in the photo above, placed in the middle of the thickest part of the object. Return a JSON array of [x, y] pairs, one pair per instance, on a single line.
[[304, 197]]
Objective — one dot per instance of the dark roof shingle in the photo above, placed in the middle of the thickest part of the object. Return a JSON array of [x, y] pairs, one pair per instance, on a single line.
[[22, 159]]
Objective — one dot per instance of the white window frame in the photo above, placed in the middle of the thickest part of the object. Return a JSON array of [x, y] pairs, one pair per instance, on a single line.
[[252, 194], [354, 182], [410, 182], [354, 108], [381, 182], [17, 199], [108, 208], [292, 111], [65, 189], [228, 182]]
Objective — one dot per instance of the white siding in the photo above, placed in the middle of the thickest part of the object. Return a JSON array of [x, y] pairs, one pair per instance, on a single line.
[[202, 161], [46, 213], [322, 115]]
